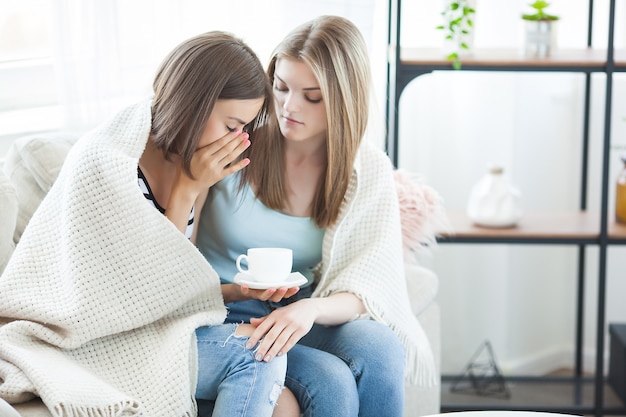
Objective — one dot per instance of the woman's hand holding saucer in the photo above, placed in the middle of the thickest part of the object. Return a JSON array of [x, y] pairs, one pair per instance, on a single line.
[[269, 294], [237, 292]]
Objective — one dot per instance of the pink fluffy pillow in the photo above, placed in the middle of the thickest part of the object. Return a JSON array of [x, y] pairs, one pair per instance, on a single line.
[[422, 214]]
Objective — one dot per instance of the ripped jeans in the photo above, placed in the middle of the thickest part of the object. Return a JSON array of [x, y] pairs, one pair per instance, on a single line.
[[354, 369], [230, 381]]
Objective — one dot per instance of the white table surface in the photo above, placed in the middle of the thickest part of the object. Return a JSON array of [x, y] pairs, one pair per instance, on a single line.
[[499, 413]]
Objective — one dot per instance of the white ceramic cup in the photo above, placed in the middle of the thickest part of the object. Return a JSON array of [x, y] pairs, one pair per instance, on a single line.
[[267, 264]]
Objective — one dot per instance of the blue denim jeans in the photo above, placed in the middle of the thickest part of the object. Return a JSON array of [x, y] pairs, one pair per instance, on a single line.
[[230, 381], [355, 369]]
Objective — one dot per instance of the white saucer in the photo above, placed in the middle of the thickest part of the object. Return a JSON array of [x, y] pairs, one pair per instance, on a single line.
[[295, 279]]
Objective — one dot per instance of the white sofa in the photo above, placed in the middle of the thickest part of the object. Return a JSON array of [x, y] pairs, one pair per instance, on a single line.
[[31, 166]]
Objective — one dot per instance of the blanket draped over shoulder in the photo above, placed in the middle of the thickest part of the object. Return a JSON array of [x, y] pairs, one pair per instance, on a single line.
[[102, 295], [363, 254]]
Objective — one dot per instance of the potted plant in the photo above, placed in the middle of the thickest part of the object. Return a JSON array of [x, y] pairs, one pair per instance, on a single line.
[[540, 38], [457, 28]]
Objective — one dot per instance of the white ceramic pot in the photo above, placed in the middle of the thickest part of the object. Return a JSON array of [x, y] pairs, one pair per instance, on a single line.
[[494, 202], [540, 38]]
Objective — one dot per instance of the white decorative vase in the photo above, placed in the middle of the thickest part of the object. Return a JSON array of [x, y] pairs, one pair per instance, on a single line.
[[494, 202], [540, 38]]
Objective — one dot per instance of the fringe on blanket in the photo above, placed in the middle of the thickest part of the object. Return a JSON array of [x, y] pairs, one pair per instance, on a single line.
[[122, 409], [419, 368]]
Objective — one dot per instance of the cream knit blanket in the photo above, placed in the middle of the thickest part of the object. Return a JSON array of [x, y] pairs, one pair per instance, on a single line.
[[102, 295], [363, 254]]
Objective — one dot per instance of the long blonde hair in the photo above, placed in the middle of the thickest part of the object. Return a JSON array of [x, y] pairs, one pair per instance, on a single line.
[[335, 51]]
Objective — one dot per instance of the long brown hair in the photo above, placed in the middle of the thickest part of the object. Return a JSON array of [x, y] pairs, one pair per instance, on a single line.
[[336, 53], [211, 66]]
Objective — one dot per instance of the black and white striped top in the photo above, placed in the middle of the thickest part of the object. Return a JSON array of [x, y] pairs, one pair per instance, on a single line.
[[147, 192]]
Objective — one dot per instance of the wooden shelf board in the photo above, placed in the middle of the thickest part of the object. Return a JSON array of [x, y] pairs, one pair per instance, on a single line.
[[575, 58], [617, 231], [533, 225]]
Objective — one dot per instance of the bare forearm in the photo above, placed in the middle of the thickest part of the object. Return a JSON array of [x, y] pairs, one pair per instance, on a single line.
[[337, 309], [291, 322], [178, 211]]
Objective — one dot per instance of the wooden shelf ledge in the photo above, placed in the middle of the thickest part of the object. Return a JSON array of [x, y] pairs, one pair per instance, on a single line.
[[555, 226], [575, 59]]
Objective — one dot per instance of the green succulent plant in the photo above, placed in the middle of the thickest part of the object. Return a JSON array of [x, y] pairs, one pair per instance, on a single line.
[[539, 15], [457, 23]]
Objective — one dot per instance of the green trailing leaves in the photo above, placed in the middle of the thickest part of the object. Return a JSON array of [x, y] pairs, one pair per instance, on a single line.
[[458, 23]]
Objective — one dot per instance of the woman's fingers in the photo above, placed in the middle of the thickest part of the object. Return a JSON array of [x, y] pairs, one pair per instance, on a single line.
[[279, 294], [262, 295], [274, 333], [224, 153], [269, 294], [287, 338], [279, 331], [214, 162], [228, 148], [259, 332], [238, 166], [291, 291]]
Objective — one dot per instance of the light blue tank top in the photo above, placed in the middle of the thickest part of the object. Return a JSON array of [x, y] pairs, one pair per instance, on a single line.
[[232, 221]]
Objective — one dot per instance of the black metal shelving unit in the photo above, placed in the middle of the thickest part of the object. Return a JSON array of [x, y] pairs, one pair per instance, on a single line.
[[404, 65]]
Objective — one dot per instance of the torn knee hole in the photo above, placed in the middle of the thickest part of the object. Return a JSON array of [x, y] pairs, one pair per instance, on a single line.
[[277, 389]]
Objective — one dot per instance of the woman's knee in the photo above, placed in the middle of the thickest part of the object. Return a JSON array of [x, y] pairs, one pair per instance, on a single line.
[[287, 405], [384, 348], [390, 342], [322, 383], [370, 343], [326, 395]]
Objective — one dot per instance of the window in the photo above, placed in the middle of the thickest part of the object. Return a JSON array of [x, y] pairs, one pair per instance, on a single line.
[[72, 64], [27, 82]]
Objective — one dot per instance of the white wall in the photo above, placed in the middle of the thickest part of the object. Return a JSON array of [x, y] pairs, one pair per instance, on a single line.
[[452, 125]]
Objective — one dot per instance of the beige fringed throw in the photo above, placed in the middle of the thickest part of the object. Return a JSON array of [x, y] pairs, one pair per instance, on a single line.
[[363, 254], [100, 300]]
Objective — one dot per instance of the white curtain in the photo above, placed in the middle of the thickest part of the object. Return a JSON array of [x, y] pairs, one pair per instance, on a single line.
[[87, 60], [108, 50]]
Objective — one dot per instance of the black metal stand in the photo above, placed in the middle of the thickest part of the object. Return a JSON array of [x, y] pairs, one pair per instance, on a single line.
[[482, 376]]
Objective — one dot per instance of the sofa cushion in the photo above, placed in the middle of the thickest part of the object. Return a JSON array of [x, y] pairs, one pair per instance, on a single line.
[[8, 208], [422, 285], [6, 410], [32, 408], [32, 164]]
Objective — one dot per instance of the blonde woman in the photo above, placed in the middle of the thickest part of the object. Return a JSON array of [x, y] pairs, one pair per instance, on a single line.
[[315, 186]]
